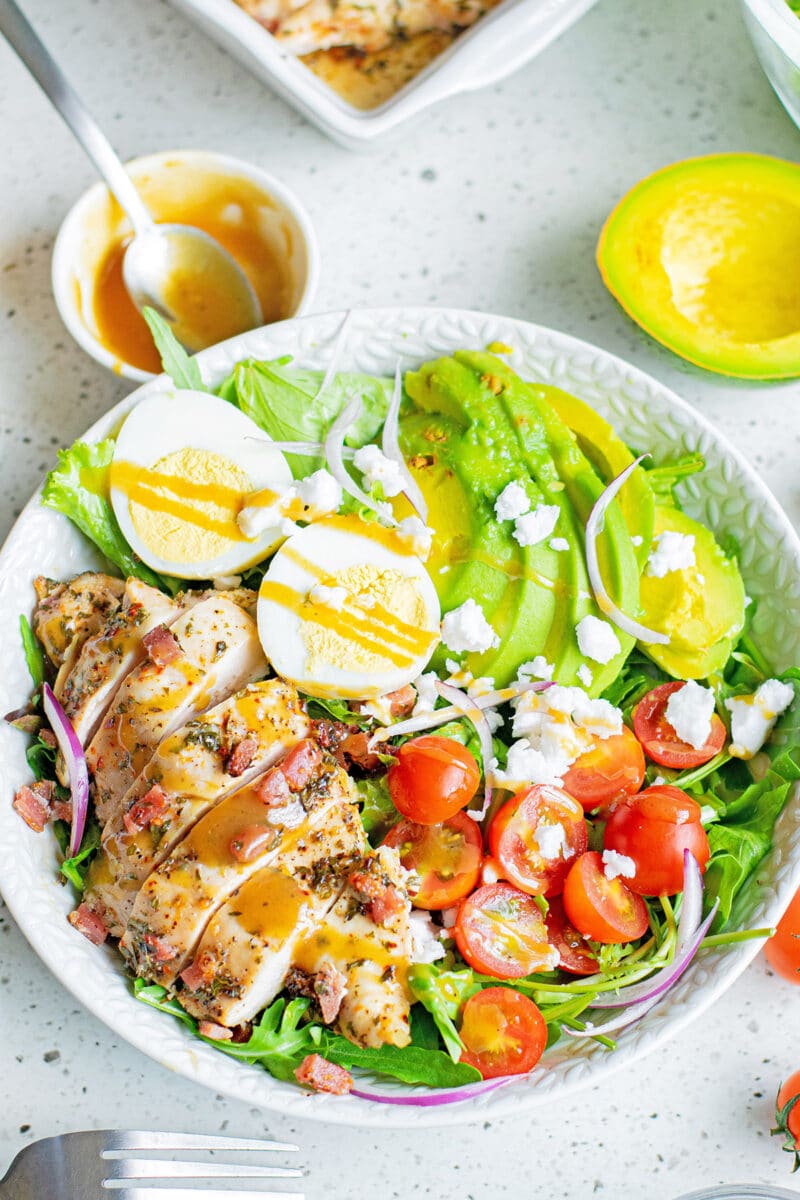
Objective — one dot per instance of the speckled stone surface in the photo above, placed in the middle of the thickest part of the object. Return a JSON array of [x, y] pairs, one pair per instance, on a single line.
[[491, 201]]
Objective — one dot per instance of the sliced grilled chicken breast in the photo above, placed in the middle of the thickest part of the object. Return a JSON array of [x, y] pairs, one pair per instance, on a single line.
[[367, 937], [68, 613], [246, 951], [208, 653], [241, 835], [106, 657], [206, 760]]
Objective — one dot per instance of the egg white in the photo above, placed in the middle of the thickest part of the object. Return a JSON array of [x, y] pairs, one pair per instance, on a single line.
[[329, 548], [171, 421]]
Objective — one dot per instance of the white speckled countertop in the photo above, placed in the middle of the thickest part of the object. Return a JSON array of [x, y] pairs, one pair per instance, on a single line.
[[493, 201]]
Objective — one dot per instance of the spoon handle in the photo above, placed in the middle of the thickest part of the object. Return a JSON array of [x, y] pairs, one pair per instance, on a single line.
[[17, 30]]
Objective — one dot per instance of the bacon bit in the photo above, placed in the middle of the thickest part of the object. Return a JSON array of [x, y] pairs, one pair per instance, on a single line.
[[323, 1076], [32, 802], [48, 737], [161, 645], [160, 949], [301, 764], [217, 1033], [330, 988], [402, 701], [250, 842], [273, 790], [356, 748], [330, 734], [243, 1033], [195, 975], [383, 900], [146, 809], [241, 756], [61, 810], [90, 923]]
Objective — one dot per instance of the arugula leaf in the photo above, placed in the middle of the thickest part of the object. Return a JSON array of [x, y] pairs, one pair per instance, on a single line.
[[34, 655], [157, 997], [279, 1043], [75, 869], [41, 759], [284, 400], [423, 1029], [78, 488], [411, 1064], [180, 366], [378, 814]]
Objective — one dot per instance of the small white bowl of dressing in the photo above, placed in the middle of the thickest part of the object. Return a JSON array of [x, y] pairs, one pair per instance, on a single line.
[[256, 218]]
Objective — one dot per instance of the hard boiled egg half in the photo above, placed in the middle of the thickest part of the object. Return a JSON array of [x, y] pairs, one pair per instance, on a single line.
[[185, 464], [346, 610]]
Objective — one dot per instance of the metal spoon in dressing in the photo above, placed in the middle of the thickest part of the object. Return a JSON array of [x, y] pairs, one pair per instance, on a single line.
[[180, 271]]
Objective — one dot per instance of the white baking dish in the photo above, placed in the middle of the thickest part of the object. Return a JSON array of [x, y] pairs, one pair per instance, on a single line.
[[497, 45]]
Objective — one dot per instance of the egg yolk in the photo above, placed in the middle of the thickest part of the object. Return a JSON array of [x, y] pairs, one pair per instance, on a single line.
[[179, 519]]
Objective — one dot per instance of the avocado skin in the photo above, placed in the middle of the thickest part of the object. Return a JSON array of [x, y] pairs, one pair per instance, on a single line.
[[700, 608], [477, 422]]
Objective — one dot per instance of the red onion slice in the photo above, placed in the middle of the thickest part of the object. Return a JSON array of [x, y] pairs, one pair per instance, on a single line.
[[77, 772], [469, 709], [441, 716], [433, 1098], [334, 454], [594, 527], [390, 444]]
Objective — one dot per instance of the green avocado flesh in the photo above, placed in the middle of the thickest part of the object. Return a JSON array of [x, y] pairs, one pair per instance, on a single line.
[[473, 427]]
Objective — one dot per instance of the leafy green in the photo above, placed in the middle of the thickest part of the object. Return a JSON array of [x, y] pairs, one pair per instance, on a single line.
[[78, 488], [75, 868], [34, 655], [442, 992], [409, 1064], [337, 710], [180, 366], [423, 1029], [378, 814], [279, 1043], [157, 997], [41, 759], [637, 677], [285, 401]]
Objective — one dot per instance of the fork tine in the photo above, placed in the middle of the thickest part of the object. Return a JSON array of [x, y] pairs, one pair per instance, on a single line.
[[140, 1139], [164, 1168], [193, 1194]]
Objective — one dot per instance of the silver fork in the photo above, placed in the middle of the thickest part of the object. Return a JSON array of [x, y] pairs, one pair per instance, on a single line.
[[112, 1164]]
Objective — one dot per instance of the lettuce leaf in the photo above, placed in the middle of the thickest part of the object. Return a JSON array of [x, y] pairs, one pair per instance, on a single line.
[[78, 488], [180, 366], [74, 869], [284, 401], [378, 814], [34, 655]]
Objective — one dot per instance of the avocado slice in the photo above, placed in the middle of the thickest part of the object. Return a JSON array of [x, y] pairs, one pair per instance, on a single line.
[[700, 608], [697, 255], [609, 456], [477, 427]]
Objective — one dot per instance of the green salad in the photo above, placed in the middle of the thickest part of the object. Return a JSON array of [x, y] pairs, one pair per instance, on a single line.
[[414, 726]]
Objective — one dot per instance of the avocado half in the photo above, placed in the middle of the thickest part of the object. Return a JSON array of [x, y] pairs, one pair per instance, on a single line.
[[704, 256]]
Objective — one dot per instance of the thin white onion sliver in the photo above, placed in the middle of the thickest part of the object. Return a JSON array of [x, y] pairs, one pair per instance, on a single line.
[[334, 448], [469, 709], [390, 444]]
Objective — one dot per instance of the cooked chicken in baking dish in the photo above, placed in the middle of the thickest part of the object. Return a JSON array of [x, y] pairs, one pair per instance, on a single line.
[[233, 864]]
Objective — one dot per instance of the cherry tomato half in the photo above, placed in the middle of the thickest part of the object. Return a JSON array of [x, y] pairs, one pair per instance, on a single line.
[[783, 950], [660, 741], [433, 778], [535, 836], [612, 769], [653, 829], [602, 909], [503, 1032], [500, 931], [447, 858], [788, 1122], [574, 955]]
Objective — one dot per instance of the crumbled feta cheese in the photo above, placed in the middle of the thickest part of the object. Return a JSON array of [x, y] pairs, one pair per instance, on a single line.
[[671, 551], [330, 597], [449, 916], [637, 540], [254, 519], [525, 766], [466, 628], [489, 872], [535, 526], [753, 717], [480, 686], [511, 503], [223, 582], [551, 840], [585, 675], [290, 815], [380, 708], [459, 676], [493, 719], [427, 695], [597, 639], [615, 864], [418, 534], [689, 711], [378, 469], [554, 727], [320, 494], [659, 779], [537, 668], [558, 543], [424, 938]]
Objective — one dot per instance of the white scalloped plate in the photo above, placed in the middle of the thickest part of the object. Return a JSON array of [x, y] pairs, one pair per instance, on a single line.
[[728, 496]]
